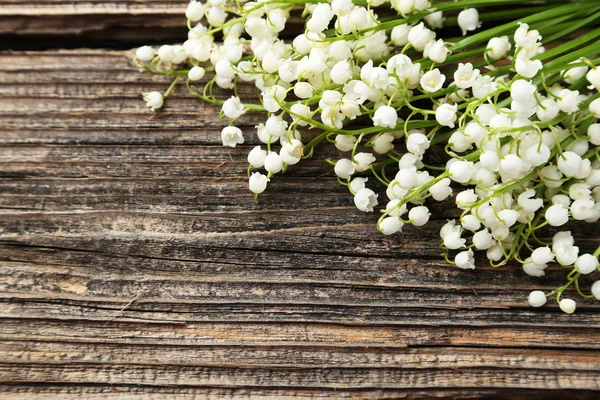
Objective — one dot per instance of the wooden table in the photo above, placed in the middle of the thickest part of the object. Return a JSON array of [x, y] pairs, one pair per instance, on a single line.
[[134, 263]]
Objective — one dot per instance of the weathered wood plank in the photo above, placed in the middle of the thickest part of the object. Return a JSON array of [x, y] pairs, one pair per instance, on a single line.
[[142, 19], [98, 21], [134, 263], [144, 310], [298, 334], [41, 353], [313, 378], [119, 392]]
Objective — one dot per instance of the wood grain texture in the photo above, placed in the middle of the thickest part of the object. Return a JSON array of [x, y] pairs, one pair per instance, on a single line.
[[117, 21], [134, 264], [149, 18]]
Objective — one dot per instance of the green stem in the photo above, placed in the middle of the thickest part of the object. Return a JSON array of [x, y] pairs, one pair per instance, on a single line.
[[170, 89]]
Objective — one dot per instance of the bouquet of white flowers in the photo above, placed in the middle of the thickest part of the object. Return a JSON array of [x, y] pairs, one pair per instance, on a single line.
[[514, 106]]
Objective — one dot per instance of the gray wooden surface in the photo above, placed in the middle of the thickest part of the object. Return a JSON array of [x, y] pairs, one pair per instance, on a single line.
[[134, 263]]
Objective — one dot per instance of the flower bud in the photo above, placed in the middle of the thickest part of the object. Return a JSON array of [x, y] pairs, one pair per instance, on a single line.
[[441, 190], [341, 7], [419, 36], [341, 72], [166, 53], [596, 290], [224, 83], [461, 171], [276, 126], [194, 11], [196, 73], [344, 142], [586, 264], [595, 108], [390, 225], [303, 90], [386, 117], [357, 183], [256, 157], [568, 163], [216, 16], [257, 182], [445, 115], [459, 142], [299, 111], [399, 35], [144, 53], [511, 166], [498, 47], [537, 298], [470, 222], [417, 143], [344, 168], [494, 253], [273, 162], [508, 217], [523, 91], [567, 305], [572, 75], [419, 215]]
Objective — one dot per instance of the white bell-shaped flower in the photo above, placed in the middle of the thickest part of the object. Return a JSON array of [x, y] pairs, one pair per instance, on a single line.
[[432, 81], [257, 183], [233, 107], [386, 117], [537, 298], [445, 114], [154, 100], [390, 225], [344, 168], [144, 53], [468, 20], [465, 259], [365, 199], [232, 136], [256, 157]]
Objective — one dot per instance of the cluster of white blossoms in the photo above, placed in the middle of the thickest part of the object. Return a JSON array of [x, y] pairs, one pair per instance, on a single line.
[[518, 122]]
